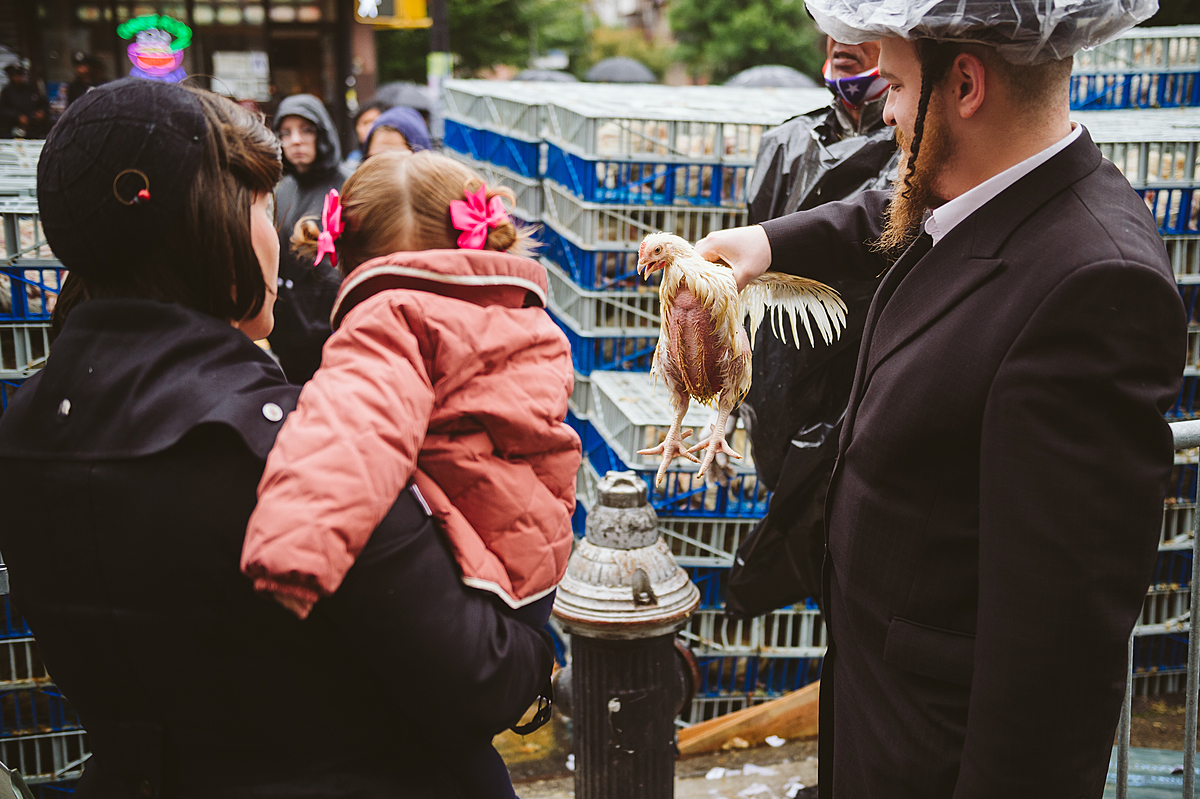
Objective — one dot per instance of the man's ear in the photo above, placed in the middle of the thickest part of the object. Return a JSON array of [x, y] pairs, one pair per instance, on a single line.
[[966, 84]]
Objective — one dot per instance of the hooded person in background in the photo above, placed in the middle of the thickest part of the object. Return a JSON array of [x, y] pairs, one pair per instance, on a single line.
[[24, 110], [312, 166], [795, 405], [400, 128]]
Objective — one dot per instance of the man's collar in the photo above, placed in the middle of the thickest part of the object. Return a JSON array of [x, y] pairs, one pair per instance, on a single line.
[[949, 216]]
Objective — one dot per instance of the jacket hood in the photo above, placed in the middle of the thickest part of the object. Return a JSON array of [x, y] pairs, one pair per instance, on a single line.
[[329, 146], [484, 277], [408, 122]]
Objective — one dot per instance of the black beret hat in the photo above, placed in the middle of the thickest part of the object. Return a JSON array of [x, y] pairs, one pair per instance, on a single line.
[[115, 141]]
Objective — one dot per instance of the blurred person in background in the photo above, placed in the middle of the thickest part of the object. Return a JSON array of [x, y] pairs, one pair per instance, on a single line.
[[24, 110], [87, 76], [794, 409], [364, 120], [312, 165], [400, 129], [145, 436]]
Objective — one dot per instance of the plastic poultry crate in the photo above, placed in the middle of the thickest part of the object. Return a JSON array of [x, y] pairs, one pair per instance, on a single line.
[[623, 227], [528, 206], [518, 155], [18, 184], [790, 632], [623, 313], [590, 267], [705, 542], [512, 108], [682, 494], [20, 155], [755, 676], [632, 411], [1123, 89], [53, 757], [580, 396], [1184, 254], [35, 710], [21, 665], [649, 182], [1166, 606], [12, 624], [593, 352], [674, 123], [1175, 211], [23, 348], [21, 230], [1174, 47], [28, 292], [1185, 404]]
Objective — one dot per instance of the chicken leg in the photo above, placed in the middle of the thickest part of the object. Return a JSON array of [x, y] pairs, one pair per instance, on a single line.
[[672, 446]]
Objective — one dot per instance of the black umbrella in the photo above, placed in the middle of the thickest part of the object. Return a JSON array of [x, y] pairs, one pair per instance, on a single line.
[[620, 70], [548, 75], [404, 93], [775, 75]]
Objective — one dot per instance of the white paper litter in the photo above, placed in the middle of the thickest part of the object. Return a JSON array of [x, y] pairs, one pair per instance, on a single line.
[[774, 741], [570, 762], [757, 789], [715, 773], [765, 771]]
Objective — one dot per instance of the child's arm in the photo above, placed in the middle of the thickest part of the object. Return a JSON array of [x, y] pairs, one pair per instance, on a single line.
[[342, 457]]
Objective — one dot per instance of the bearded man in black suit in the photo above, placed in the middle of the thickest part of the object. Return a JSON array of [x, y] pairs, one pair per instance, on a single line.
[[994, 514]]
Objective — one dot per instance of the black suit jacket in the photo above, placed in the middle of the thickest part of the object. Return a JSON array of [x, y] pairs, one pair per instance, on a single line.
[[994, 515]]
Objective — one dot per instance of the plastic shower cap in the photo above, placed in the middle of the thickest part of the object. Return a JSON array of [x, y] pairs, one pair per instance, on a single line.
[[1022, 31]]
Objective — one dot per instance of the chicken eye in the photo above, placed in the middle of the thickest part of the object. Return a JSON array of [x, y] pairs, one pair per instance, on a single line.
[[657, 250]]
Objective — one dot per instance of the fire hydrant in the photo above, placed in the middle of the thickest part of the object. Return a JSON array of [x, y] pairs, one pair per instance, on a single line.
[[622, 600]]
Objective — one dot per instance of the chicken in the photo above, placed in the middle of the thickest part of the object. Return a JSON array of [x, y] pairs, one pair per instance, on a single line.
[[703, 352]]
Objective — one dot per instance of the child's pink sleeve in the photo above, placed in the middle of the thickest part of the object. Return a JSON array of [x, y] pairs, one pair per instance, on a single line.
[[342, 457]]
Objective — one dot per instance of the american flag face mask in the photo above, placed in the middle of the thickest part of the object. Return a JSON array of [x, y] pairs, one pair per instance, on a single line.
[[856, 90]]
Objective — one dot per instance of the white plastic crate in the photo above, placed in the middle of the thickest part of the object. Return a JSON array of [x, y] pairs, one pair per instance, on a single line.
[[1144, 49], [705, 542], [1179, 518], [21, 665], [23, 349], [1184, 254], [792, 632], [593, 224], [580, 395], [674, 123], [20, 154], [1166, 606], [46, 757], [631, 412], [17, 185], [618, 313], [21, 233], [528, 190], [507, 107], [705, 708]]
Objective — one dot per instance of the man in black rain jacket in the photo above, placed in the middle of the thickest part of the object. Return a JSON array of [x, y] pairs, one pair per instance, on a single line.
[[796, 402]]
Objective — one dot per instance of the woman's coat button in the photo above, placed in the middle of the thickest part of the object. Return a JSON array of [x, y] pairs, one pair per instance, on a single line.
[[271, 411], [64, 409]]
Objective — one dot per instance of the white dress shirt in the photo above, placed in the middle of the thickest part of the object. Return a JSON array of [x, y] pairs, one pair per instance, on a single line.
[[947, 217]]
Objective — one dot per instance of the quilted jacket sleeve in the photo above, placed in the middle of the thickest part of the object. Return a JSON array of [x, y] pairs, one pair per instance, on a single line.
[[343, 456]]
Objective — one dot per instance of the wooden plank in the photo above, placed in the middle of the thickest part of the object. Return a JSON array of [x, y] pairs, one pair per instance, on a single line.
[[791, 717]]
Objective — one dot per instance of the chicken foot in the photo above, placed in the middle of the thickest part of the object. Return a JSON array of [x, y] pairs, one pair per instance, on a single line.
[[716, 442], [672, 446]]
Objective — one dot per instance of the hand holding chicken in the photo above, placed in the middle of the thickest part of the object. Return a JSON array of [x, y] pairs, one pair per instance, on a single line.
[[703, 352]]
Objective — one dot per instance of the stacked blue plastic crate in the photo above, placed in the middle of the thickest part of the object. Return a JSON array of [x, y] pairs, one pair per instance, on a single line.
[[1139, 98], [40, 733], [618, 168]]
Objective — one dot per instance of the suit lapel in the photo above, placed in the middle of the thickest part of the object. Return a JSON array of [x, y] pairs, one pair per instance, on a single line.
[[934, 286], [887, 288]]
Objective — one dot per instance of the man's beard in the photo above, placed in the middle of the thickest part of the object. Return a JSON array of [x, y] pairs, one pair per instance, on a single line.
[[913, 192]]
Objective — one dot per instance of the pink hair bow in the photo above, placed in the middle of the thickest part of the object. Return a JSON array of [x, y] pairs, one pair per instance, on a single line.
[[331, 224], [475, 217]]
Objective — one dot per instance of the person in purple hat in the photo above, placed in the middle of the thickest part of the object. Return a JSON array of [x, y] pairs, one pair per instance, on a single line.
[[400, 128]]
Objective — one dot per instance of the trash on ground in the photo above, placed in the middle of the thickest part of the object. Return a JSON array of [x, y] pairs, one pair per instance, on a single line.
[[736, 742], [774, 741]]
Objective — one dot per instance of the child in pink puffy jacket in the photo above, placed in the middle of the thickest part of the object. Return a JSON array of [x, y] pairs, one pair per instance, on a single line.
[[444, 373]]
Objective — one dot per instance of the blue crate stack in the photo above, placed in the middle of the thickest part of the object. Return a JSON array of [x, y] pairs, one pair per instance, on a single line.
[[40, 733]]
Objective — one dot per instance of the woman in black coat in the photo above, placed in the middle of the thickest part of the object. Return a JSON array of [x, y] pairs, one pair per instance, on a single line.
[[128, 470]]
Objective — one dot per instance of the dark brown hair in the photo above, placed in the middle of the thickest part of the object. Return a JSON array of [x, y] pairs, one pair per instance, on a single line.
[[216, 270], [396, 202]]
